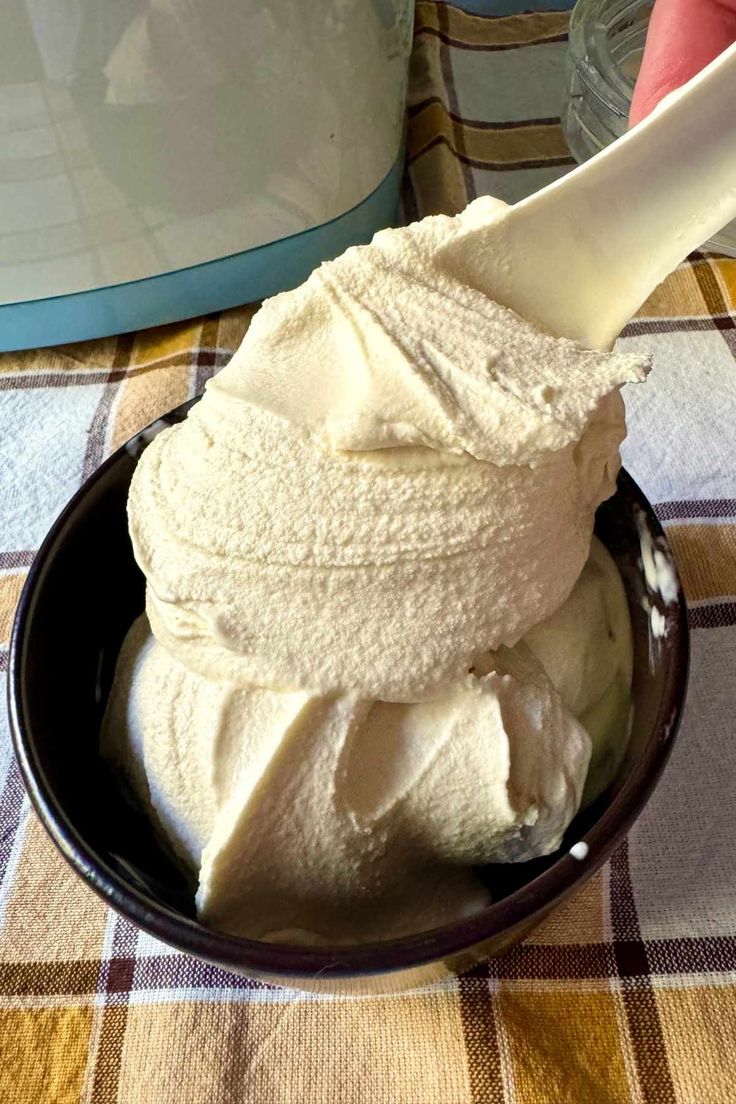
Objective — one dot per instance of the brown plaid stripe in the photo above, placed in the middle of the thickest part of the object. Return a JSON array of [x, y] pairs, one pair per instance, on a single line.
[[630, 952], [124, 974]]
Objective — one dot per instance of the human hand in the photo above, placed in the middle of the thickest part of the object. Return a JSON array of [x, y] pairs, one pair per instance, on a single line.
[[683, 37]]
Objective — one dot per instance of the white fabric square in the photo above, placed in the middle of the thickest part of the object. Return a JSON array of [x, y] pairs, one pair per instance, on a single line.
[[510, 85], [681, 441], [6, 747], [681, 848], [513, 186], [43, 437], [150, 947]]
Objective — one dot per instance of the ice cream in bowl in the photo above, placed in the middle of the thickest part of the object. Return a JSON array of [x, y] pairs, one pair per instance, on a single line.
[[380, 664], [359, 664], [373, 600]]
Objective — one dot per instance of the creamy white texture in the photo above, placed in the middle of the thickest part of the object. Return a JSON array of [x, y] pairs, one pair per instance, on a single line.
[[362, 549], [345, 819], [586, 649], [393, 474], [341, 820]]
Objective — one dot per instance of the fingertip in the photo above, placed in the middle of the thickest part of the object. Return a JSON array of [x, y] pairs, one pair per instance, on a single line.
[[683, 37], [648, 93]]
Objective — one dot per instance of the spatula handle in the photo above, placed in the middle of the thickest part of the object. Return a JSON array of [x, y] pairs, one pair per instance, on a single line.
[[580, 256]]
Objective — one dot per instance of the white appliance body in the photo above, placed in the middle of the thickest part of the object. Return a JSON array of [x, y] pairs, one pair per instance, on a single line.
[[140, 139]]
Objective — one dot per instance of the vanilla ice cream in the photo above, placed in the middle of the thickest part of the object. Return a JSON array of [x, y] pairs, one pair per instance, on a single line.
[[340, 818], [391, 484]]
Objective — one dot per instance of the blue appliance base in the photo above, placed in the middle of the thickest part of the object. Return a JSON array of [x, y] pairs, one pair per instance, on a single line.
[[204, 288]]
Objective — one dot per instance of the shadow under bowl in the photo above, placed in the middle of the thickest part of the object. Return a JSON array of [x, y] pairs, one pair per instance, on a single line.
[[82, 593]]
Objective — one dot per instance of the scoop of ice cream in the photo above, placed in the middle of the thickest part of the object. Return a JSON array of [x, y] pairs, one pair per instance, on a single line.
[[338, 818], [586, 649], [394, 478], [186, 741], [392, 474], [587, 641]]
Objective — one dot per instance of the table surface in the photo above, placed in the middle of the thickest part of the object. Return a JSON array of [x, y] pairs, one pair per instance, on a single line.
[[627, 992]]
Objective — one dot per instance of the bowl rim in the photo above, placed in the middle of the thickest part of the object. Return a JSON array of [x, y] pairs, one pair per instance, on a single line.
[[287, 960]]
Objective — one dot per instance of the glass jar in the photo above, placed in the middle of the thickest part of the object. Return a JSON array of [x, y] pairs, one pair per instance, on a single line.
[[606, 43]]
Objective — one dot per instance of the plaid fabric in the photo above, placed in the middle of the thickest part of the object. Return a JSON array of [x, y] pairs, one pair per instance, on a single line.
[[628, 992]]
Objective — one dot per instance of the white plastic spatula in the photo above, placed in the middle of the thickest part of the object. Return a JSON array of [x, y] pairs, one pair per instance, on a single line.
[[580, 256]]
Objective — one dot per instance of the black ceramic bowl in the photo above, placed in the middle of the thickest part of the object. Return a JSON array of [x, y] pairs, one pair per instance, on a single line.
[[82, 593]]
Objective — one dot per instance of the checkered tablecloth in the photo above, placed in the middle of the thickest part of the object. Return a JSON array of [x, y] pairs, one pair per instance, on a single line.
[[628, 992]]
